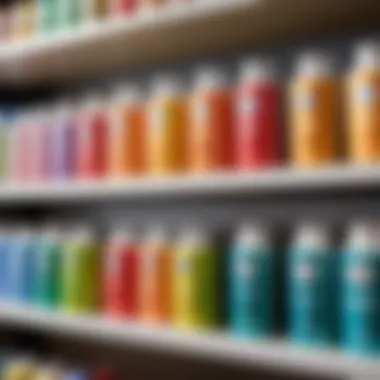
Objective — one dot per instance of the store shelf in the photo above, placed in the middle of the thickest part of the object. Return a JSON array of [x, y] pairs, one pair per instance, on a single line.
[[274, 355], [177, 31], [276, 181]]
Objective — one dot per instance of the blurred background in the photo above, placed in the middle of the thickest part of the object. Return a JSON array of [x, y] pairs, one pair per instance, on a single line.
[[189, 188]]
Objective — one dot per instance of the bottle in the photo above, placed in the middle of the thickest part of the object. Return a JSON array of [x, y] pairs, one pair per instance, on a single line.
[[4, 263], [127, 133], [81, 272], [210, 131], [361, 289], [314, 107], [48, 16], [63, 141], [313, 282], [195, 282], [23, 13], [91, 139], [48, 373], [5, 22], [5, 143], [96, 10], [122, 270], [156, 284], [122, 7], [166, 147], [22, 269], [47, 290], [77, 374], [363, 115], [71, 13], [19, 369], [252, 283], [257, 116]]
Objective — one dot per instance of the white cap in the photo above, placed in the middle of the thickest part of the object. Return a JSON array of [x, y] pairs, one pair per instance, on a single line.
[[122, 235], [194, 236], [63, 108], [311, 235], [81, 233], [315, 65], [91, 101], [156, 236], [364, 236], [210, 78], [367, 55], [126, 94], [257, 70], [252, 235], [166, 86]]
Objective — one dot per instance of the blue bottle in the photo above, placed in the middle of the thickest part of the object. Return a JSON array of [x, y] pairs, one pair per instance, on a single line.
[[251, 283], [23, 248], [361, 289], [4, 264], [313, 287], [77, 374]]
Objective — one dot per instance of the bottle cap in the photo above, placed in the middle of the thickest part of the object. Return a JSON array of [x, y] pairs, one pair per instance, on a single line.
[[210, 78], [252, 235], [315, 65], [312, 235], [122, 235], [257, 70], [193, 236], [166, 86], [367, 55], [126, 94], [364, 235], [156, 236]]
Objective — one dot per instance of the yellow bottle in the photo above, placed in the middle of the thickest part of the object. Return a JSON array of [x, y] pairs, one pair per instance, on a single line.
[[363, 106], [167, 119], [314, 113], [22, 369]]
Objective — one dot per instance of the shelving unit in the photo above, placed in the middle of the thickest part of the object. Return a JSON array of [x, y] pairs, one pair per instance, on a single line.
[[218, 347]]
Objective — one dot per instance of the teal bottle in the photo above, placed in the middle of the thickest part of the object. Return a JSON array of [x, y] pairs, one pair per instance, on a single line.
[[313, 277], [361, 289], [252, 283]]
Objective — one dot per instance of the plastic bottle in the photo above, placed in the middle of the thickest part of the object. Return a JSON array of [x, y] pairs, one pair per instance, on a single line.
[[122, 7], [121, 277], [72, 13], [156, 278], [77, 374], [363, 114], [47, 290], [48, 16], [252, 283], [81, 272], [258, 116], [313, 282], [6, 123], [4, 263], [361, 289], [127, 133], [91, 137], [196, 283], [24, 19], [167, 128], [314, 109], [19, 369], [96, 9], [210, 131]]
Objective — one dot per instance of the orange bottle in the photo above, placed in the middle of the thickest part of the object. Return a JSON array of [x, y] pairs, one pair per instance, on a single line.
[[210, 131], [363, 106], [314, 110], [127, 134], [155, 301], [166, 136]]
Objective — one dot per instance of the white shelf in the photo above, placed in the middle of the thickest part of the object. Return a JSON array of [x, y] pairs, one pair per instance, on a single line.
[[177, 31], [274, 355], [277, 181]]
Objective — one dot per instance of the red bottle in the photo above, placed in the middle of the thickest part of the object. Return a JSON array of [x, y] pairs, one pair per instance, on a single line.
[[122, 7], [121, 277], [104, 374], [258, 117], [92, 135]]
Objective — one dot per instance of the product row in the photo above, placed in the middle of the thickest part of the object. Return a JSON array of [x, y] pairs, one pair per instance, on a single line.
[[212, 129], [319, 292], [28, 19], [25, 367]]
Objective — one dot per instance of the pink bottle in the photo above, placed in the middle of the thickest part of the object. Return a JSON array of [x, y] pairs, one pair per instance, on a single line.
[[122, 7], [258, 117]]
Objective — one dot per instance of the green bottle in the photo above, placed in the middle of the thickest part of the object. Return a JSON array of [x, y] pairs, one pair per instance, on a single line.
[[47, 290], [48, 16], [81, 273], [72, 13]]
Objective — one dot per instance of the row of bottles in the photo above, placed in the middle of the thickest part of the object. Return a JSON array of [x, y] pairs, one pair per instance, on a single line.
[[323, 292], [31, 19], [213, 129]]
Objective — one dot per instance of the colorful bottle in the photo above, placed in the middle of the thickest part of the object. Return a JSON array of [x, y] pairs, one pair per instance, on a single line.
[[361, 289], [156, 278], [5, 143], [95, 10], [210, 130], [257, 117], [72, 13], [91, 139], [81, 273], [252, 283], [77, 374], [195, 282], [363, 89], [127, 134], [121, 277], [4, 263], [48, 373], [48, 16], [167, 128], [48, 263], [313, 282], [24, 19], [314, 109], [122, 7], [20, 369]]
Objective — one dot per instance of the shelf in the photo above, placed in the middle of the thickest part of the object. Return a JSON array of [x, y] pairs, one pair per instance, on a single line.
[[176, 32], [277, 181], [274, 355]]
